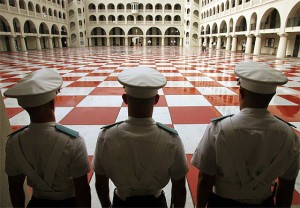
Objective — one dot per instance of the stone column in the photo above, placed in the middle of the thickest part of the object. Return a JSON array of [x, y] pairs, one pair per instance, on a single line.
[[248, 44], [257, 45], [68, 42], [200, 42], [234, 43], [59, 42], [281, 51], [162, 41], [38, 43], [12, 44], [107, 42], [228, 43], [210, 42], [180, 41], [126, 41], [219, 43], [23, 44], [50, 43], [4, 131]]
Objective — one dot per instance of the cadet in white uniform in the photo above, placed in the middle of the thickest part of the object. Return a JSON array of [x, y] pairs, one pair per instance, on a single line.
[[240, 156], [52, 157], [139, 155]]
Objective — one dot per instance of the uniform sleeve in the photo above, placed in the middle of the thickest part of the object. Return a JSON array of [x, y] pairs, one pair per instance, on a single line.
[[180, 166], [11, 165], [80, 164], [204, 157], [97, 165], [292, 172]]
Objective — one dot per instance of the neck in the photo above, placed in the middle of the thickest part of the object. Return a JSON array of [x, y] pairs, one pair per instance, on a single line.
[[42, 118]]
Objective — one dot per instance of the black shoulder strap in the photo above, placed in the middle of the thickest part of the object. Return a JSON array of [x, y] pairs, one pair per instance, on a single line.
[[285, 122], [221, 118]]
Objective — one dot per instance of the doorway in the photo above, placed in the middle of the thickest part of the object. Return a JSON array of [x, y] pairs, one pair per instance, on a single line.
[[296, 46]]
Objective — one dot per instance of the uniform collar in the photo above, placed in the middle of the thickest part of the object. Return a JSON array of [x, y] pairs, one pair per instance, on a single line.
[[258, 111], [140, 121], [39, 125]]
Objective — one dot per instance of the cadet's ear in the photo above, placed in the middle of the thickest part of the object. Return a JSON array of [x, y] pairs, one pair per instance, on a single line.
[[156, 99], [125, 98]]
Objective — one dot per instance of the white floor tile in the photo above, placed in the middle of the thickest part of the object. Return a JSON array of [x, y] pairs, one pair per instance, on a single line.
[[187, 100], [101, 101]]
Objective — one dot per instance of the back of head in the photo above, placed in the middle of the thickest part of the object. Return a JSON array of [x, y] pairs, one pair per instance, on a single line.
[[141, 82], [36, 89], [259, 78]]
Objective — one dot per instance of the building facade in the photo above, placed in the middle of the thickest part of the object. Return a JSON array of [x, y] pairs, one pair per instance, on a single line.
[[254, 26]]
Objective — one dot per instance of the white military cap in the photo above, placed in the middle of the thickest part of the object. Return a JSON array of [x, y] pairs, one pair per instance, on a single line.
[[259, 77], [37, 88], [142, 82]]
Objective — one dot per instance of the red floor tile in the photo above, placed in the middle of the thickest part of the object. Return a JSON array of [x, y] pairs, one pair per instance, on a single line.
[[107, 91], [180, 91], [206, 84], [68, 101], [223, 100], [287, 113], [193, 115], [11, 112], [91, 116], [85, 84]]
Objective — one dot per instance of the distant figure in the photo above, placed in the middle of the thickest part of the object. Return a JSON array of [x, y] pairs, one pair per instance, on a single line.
[[243, 46], [149, 42], [214, 45], [204, 47], [240, 156], [140, 155], [53, 157]]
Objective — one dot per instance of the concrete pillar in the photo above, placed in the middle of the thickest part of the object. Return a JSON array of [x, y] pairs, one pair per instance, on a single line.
[[180, 41], [23, 44], [228, 43], [4, 131], [210, 42], [281, 51], [12, 44], [50, 43], [257, 45], [234, 43], [38, 43], [248, 44], [219, 43], [163, 41], [107, 42], [126, 41], [68, 42], [59, 42], [200, 42]]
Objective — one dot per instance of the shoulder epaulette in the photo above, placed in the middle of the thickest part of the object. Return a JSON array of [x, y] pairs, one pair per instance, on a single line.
[[221, 118], [111, 125], [285, 122], [21, 129], [173, 131], [67, 130]]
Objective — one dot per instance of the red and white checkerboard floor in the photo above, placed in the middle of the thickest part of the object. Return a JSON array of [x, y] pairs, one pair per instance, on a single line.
[[200, 87]]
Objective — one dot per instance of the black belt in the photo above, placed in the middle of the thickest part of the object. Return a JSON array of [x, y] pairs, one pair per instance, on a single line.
[[36, 202], [217, 201], [140, 201]]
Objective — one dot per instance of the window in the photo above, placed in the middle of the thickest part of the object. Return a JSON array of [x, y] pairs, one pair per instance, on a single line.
[[269, 42]]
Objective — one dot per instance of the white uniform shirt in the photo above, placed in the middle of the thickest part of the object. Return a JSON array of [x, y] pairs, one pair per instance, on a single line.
[[260, 137], [137, 140], [37, 142]]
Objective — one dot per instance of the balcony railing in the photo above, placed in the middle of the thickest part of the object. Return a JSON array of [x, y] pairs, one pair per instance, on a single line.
[[268, 25], [29, 30], [253, 26]]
